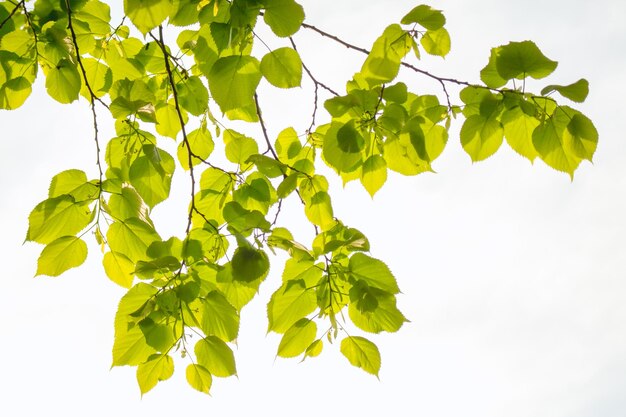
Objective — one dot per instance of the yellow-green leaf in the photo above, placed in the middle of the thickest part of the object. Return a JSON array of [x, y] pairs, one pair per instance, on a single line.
[[60, 255], [216, 356], [157, 368], [361, 353], [119, 268], [199, 378], [297, 338], [374, 174], [282, 68]]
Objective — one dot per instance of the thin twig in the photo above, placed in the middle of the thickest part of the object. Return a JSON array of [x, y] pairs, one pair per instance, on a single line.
[[181, 120], [263, 128], [92, 95]]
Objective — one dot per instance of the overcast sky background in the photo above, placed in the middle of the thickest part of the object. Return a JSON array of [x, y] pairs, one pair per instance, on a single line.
[[513, 277]]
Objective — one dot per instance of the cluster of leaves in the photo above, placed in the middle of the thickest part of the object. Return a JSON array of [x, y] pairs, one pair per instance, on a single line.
[[197, 285]]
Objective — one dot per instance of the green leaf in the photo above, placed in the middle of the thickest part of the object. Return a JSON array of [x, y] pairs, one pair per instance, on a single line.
[[149, 373], [577, 91], [131, 237], [63, 82], [288, 144], [361, 353], [130, 346], [288, 185], [57, 217], [60, 255], [374, 272], [319, 210], [282, 68], [548, 140], [284, 17], [383, 62], [168, 121], [193, 95], [201, 144], [342, 147], [249, 264], [233, 81], [199, 378], [99, 77], [219, 317], [490, 75], [291, 302], [119, 268], [127, 204], [314, 349], [74, 183], [297, 338], [215, 355], [374, 174], [374, 311], [523, 59], [14, 93], [436, 42], [147, 14], [426, 16], [151, 174], [481, 136], [518, 130], [239, 148], [581, 136]]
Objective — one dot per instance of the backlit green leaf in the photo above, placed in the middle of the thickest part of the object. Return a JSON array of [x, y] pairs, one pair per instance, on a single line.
[[131, 237], [490, 75], [381, 314], [481, 136], [383, 62], [14, 93], [239, 147], [426, 16], [130, 346], [147, 14], [157, 368], [193, 95], [284, 17], [577, 91], [249, 264], [201, 144], [74, 183], [436, 42], [523, 59], [219, 317], [57, 217], [119, 268], [581, 136], [314, 349], [374, 174], [518, 131], [282, 68], [374, 272], [319, 210], [199, 378], [151, 174], [215, 355], [548, 140], [297, 338], [63, 82], [291, 302], [60, 255], [361, 353], [233, 81]]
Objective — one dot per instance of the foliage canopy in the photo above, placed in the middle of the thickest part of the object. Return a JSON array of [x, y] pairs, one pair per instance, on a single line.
[[190, 91]]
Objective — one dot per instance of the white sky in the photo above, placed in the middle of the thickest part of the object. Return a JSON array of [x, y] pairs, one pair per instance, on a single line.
[[513, 277]]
